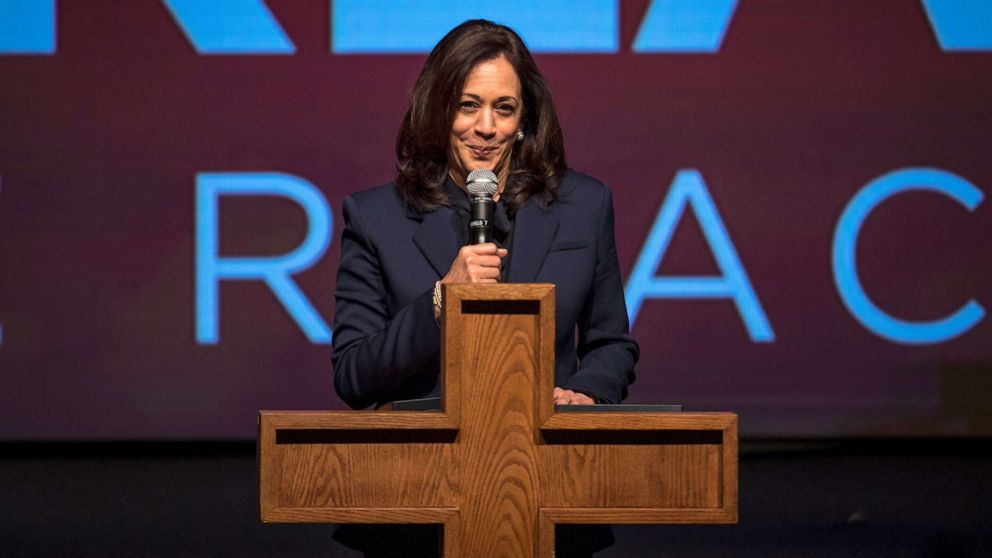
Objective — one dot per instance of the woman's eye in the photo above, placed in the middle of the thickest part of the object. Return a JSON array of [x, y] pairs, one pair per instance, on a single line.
[[468, 105], [507, 109]]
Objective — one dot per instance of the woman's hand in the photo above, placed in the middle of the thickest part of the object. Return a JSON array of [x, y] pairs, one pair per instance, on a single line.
[[476, 263], [569, 397]]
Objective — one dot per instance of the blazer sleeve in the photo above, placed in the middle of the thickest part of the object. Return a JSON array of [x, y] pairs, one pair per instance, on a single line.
[[375, 352], [606, 351]]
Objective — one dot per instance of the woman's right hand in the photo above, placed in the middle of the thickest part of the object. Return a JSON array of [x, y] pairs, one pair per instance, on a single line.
[[476, 263]]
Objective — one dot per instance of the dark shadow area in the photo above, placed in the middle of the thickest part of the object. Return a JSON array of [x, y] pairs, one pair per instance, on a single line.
[[397, 436], [633, 437], [501, 307], [870, 498], [618, 408]]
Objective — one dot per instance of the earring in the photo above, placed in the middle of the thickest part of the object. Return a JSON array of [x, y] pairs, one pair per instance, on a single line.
[[520, 135]]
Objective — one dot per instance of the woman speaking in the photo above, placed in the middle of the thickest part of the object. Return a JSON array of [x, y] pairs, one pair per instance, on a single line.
[[479, 103]]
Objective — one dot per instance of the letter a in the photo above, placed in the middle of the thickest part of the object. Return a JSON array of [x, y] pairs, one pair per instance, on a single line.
[[689, 189], [230, 27]]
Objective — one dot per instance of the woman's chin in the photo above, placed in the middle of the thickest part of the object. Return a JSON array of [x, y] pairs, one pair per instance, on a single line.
[[484, 164], [469, 164]]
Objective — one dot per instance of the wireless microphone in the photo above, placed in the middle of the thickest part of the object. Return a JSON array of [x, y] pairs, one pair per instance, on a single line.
[[481, 185]]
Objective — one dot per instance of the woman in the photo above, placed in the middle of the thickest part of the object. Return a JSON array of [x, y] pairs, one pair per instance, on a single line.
[[480, 102]]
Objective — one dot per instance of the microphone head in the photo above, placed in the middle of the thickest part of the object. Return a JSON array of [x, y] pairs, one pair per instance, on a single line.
[[482, 182]]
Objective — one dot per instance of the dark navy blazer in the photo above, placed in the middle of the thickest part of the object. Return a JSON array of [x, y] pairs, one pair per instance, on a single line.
[[386, 341]]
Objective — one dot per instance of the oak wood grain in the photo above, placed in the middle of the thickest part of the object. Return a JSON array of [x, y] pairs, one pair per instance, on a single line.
[[497, 467], [498, 426], [631, 476]]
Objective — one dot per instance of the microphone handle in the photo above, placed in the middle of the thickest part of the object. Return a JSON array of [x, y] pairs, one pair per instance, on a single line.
[[480, 226]]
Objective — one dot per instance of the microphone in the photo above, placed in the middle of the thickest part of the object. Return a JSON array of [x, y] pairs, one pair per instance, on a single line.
[[481, 185]]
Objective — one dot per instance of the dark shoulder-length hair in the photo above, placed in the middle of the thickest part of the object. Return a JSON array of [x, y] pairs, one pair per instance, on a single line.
[[422, 145]]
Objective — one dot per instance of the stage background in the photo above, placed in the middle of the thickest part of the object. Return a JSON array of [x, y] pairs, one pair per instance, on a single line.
[[105, 141]]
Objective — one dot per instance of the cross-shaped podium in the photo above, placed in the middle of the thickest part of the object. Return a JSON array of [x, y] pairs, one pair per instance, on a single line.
[[497, 466]]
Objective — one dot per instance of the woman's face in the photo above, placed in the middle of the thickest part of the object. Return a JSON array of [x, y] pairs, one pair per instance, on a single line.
[[487, 120]]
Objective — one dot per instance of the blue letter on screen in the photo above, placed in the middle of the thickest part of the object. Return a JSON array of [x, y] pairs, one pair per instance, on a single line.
[[230, 27], [685, 26], [689, 189], [274, 271], [961, 24], [369, 26], [27, 26], [846, 266]]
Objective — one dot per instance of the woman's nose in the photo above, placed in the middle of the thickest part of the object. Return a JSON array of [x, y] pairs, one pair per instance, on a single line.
[[485, 126]]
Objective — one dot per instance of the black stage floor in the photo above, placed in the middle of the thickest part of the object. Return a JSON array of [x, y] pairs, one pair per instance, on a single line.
[[844, 499]]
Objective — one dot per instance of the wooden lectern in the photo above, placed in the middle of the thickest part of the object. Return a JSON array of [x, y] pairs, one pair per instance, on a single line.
[[497, 466]]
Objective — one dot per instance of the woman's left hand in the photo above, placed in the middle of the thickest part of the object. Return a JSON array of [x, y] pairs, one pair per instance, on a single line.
[[569, 397]]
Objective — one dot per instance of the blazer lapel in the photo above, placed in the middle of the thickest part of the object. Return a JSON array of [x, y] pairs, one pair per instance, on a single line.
[[533, 231], [437, 240]]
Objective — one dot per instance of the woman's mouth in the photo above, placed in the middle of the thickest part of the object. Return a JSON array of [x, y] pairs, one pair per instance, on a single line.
[[481, 151]]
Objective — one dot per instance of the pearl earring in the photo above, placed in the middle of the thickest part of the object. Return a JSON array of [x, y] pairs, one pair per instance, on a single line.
[[520, 135]]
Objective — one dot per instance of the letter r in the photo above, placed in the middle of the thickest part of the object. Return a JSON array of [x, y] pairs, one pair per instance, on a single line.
[[274, 271]]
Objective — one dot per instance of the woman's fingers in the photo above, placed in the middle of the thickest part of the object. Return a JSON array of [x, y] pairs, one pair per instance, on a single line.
[[569, 397], [484, 261], [487, 275], [477, 263], [486, 248]]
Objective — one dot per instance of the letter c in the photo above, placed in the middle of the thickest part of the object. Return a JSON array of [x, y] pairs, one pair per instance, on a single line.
[[845, 266]]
